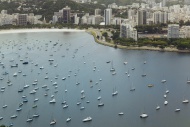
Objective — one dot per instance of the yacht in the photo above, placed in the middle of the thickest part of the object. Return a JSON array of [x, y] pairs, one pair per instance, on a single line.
[[4, 106], [65, 106], [26, 86], [158, 107], [1, 118], [165, 102], [78, 103], [33, 92], [81, 108], [114, 93], [121, 113], [18, 109], [87, 119], [99, 98], [185, 101], [163, 81], [68, 119], [100, 104], [125, 63], [53, 122], [144, 115], [177, 109], [29, 120], [165, 95], [15, 74], [35, 115], [20, 90], [44, 86], [36, 99], [13, 116], [52, 101], [63, 78], [167, 91]]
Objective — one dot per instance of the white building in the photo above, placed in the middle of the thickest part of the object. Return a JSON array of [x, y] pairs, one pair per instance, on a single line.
[[107, 16], [141, 17], [127, 30], [185, 32], [160, 17], [173, 31]]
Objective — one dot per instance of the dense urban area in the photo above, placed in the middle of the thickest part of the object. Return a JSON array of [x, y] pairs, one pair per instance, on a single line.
[[154, 23]]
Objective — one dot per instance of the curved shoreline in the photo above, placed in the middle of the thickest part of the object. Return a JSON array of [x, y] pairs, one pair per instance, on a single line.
[[38, 30], [166, 49]]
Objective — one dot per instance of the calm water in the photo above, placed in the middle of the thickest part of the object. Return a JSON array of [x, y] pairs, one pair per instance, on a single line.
[[76, 54]]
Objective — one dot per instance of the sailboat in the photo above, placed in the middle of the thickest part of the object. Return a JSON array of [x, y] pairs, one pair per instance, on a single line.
[[53, 121], [143, 115], [115, 92], [100, 104], [188, 80], [132, 88], [68, 119], [112, 68]]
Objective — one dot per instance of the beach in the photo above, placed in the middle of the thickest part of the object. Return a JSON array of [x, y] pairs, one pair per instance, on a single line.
[[38, 30]]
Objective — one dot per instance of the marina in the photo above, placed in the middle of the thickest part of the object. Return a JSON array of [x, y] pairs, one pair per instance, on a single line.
[[49, 78]]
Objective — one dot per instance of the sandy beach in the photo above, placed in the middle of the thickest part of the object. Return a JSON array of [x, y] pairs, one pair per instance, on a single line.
[[38, 30]]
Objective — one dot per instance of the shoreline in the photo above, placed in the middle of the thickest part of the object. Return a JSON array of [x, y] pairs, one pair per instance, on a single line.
[[8, 31], [166, 49]]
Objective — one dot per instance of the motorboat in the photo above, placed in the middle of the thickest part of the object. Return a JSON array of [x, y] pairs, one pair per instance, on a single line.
[[33, 92], [143, 115], [29, 120], [121, 113], [52, 101], [87, 119], [177, 109], [35, 115], [68, 119], [185, 101], [18, 109], [13, 116], [65, 106], [53, 122], [163, 81], [165, 102], [158, 107]]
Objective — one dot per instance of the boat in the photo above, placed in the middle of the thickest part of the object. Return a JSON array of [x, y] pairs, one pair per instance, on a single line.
[[108, 61], [29, 120], [143, 75], [20, 90], [150, 85], [34, 106], [26, 86], [44, 86], [35, 115], [52, 101], [82, 107], [112, 69], [185, 101], [25, 100], [163, 81], [18, 109], [167, 91], [158, 107], [14, 65], [1, 118], [53, 122], [25, 63], [188, 80], [68, 119], [125, 63], [177, 109], [87, 119], [114, 73], [65, 106], [36, 99], [99, 98], [20, 104], [121, 113], [13, 116], [100, 104], [165, 95], [15, 74], [33, 92], [78, 103], [4, 106], [143, 115], [165, 102], [63, 78]]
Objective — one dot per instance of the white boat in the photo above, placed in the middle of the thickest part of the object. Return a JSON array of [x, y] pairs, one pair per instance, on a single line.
[[165, 102], [4, 106], [44, 86], [52, 101], [167, 91], [121, 113], [18, 109], [185, 101], [143, 115], [1, 118], [41, 67], [29, 120], [165, 95], [35, 115], [158, 107], [114, 93], [99, 98], [78, 103], [15, 74], [63, 78], [100, 104], [53, 122], [163, 81], [46, 77], [33, 92], [26, 86], [65, 106], [125, 62], [177, 109], [68, 119], [114, 73], [13, 116], [36, 99], [87, 119]]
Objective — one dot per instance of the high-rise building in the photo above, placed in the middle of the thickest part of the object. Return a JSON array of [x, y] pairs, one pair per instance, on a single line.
[[173, 31], [107, 16], [97, 12], [127, 30], [160, 17], [66, 14], [141, 17], [22, 19]]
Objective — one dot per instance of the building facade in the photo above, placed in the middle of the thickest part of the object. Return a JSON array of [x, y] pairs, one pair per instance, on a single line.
[[141, 17], [22, 19], [66, 14], [107, 16], [173, 31]]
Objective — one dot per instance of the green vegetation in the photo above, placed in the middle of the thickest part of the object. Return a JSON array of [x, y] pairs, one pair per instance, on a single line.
[[2, 126], [156, 28], [119, 2]]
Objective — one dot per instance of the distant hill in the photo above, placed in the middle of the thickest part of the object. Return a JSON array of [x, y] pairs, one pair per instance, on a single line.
[[119, 2]]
